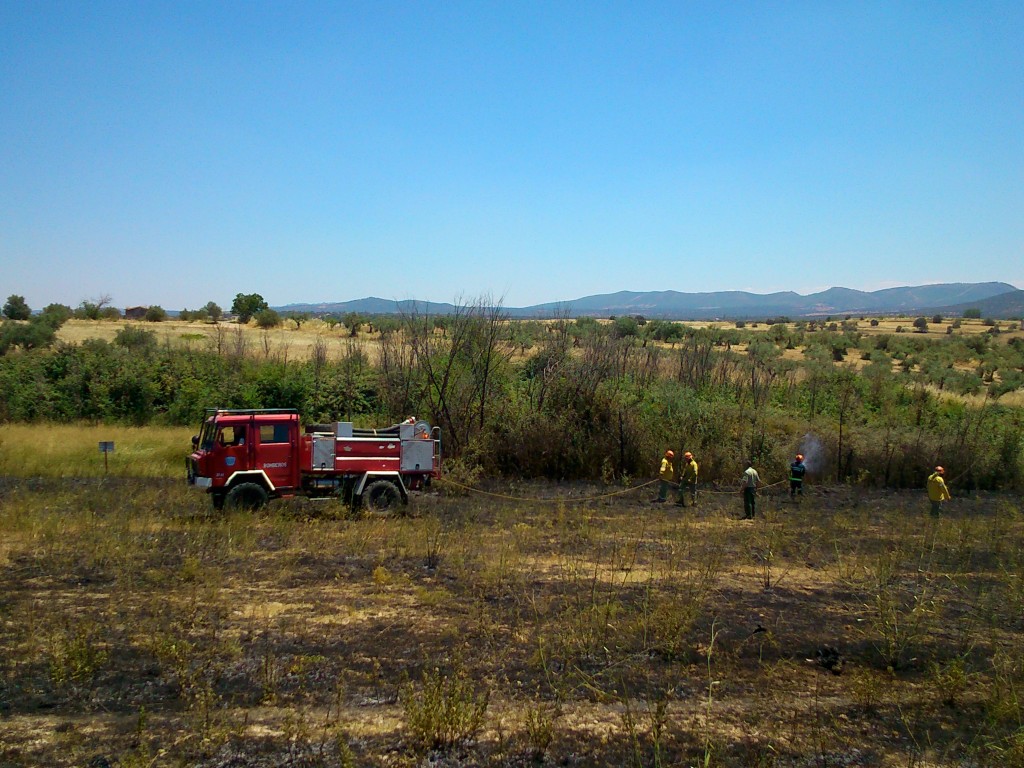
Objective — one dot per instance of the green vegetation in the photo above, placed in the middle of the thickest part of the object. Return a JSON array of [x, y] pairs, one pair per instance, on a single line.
[[156, 314], [246, 305], [574, 399], [15, 308], [268, 318]]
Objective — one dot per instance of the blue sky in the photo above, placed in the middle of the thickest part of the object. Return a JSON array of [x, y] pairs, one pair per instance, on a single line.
[[182, 152]]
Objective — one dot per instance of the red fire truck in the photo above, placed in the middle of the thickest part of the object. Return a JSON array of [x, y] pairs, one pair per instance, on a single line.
[[244, 458]]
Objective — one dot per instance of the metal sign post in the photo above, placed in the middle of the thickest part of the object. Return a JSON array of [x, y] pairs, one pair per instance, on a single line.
[[106, 446]]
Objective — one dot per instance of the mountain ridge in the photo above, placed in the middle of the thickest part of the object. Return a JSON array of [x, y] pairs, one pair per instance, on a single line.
[[676, 305]]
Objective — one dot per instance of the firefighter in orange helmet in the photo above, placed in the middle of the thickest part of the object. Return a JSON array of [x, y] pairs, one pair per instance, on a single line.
[[666, 476], [687, 480], [937, 490], [797, 470]]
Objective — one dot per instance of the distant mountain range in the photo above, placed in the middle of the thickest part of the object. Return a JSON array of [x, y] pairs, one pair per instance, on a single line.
[[993, 299]]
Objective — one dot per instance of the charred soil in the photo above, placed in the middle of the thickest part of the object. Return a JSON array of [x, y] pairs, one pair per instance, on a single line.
[[542, 624]]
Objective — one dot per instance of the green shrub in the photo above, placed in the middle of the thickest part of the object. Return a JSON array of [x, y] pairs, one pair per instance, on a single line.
[[444, 710]]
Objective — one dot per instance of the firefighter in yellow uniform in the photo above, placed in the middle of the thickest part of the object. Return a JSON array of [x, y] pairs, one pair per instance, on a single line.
[[666, 476], [937, 490], [687, 480]]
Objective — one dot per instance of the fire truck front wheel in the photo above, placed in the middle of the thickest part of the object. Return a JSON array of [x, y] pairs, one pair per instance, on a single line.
[[246, 496], [381, 497]]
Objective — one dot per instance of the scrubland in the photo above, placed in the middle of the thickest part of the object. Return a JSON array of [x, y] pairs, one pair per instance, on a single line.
[[563, 620], [548, 624]]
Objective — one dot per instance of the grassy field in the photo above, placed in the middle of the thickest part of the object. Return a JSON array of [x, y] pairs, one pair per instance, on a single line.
[[561, 626], [67, 450], [289, 342], [283, 343]]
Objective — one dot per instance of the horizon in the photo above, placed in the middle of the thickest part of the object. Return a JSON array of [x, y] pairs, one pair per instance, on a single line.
[[545, 306], [174, 155]]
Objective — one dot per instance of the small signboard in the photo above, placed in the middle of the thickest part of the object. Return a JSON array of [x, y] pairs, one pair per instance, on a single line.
[[106, 446]]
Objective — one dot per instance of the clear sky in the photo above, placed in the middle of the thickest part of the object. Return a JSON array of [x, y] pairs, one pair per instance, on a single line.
[[175, 153]]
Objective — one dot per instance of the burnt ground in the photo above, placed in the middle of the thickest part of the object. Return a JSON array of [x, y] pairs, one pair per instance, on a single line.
[[541, 625]]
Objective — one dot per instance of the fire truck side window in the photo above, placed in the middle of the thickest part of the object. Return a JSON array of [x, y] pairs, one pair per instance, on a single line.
[[273, 433], [232, 436]]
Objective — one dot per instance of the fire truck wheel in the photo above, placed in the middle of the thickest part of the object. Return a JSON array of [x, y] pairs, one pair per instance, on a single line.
[[246, 496], [381, 497]]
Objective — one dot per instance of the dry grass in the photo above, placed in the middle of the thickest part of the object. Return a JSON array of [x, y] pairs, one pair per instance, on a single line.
[[69, 450], [137, 628], [284, 343]]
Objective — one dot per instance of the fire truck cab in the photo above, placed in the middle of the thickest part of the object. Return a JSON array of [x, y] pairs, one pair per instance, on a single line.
[[244, 458]]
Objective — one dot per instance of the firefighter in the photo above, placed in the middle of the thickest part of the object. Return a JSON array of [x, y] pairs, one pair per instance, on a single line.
[[687, 480], [937, 490], [749, 483], [797, 470], [666, 475]]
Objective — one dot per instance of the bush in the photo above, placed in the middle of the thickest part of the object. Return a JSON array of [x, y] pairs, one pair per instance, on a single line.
[[38, 332], [59, 313], [973, 314], [213, 311], [444, 712], [156, 314], [268, 318], [133, 337]]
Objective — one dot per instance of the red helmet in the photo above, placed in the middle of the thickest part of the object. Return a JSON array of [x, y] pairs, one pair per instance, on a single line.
[[799, 457], [940, 470], [687, 455], [670, 454]]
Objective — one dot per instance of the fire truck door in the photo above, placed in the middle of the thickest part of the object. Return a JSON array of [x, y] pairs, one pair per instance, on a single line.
[[277, 453], [233, 448]]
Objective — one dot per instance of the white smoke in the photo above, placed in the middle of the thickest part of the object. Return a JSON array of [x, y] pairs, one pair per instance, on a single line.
[[814, 453]]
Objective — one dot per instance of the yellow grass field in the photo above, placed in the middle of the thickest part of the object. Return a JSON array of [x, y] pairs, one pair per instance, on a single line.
[[284, 343], [67, 450]]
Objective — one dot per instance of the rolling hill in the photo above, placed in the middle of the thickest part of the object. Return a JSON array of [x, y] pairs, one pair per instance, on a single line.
[[677, 305]]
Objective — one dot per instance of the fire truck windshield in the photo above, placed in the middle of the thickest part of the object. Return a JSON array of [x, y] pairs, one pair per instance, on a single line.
[[206, 435]]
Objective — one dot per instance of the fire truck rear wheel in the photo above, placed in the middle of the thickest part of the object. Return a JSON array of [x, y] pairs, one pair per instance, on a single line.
[[381, 497], [246, 496]]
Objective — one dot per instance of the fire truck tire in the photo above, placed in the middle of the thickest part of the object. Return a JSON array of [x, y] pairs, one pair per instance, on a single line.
[[246, 496], [381, 497]]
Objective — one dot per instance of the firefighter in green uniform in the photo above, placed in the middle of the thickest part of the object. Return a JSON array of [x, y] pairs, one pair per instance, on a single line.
[[687, 480], [666, 476]]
